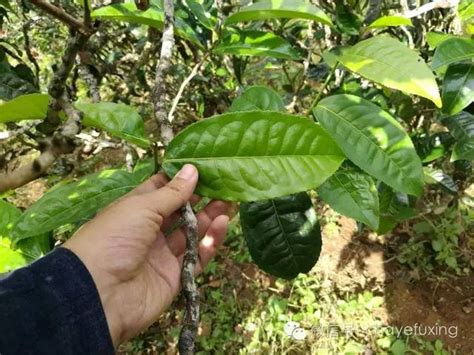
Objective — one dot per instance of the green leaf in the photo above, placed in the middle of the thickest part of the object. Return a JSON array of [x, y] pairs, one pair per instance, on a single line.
[[461, 127], [394, 208], [6, 5], [390, 21], [434, 39], [25, 107], [119, 120], [465, 9], [204, 17], [438, 176], [74, 202], [152, 17], [250, 156], [256, 43], [373, 140], [390, 63], [453, 50], [353, 194], [12, 85], [258, 98], [458, 87], [27, 250], [269, 9], [144, 169], [346, 21], [283, 234]]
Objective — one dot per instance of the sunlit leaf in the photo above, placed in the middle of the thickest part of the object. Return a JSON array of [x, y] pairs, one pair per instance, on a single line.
[[119, 120], [458, 87], [152, 17], [258, 98], [250, 156], [390, 63], [24, 107], [373, 140], [453, 50], [352, 193], [283, 235], [255, 43], [389, 21], [434, 39], [269, 9], [26, 251], [74, 202]]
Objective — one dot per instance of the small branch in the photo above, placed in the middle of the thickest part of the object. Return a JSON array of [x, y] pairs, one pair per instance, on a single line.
[[25, 28], [187, 338], [183, 86], [57, 86], [62, 16], [87, 14], [91, 81], [437, 4], [159, 91]]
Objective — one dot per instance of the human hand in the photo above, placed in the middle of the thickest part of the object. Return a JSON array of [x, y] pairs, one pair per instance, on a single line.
[[135, 267]]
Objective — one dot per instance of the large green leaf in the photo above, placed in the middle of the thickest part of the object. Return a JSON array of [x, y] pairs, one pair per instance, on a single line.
[[389, 21], [269, 9], [258, 98], [461, 127], [250, 156], [453, 50], [394, 208], [152, 17], [25, 107], [26, 251], [458, 87], [283, 234], [373, 140], [390, 63], [119, 120], [74, 202], [354, 194], [256, 43]]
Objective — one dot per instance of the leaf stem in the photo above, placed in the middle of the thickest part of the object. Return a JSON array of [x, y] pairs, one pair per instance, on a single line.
[[322, 88]]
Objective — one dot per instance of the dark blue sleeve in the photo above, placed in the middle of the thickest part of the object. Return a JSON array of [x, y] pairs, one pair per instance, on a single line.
[[52, 307]]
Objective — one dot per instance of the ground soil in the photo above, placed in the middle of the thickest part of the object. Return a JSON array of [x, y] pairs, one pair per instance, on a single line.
[[355, 262]]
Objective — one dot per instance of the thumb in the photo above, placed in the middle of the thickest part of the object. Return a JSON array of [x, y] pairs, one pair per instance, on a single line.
[[174, 194]]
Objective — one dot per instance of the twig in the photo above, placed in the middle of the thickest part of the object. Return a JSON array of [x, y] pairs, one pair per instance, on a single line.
[[91, 81], [63, 16], [158, 95], [437, 4], [183, 86], [187, 337], [57, 86]]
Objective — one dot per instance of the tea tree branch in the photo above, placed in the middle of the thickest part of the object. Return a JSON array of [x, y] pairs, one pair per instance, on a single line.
[[189, 331], [61, 141], [63, 16]]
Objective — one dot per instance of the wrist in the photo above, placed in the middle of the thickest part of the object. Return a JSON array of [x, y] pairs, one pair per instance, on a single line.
[[106, 289]]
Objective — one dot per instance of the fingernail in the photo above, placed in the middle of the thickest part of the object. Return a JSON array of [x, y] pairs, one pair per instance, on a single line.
[[187, 172]]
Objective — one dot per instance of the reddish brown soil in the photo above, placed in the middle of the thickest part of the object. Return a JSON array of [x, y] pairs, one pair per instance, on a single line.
[[354, 262]]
